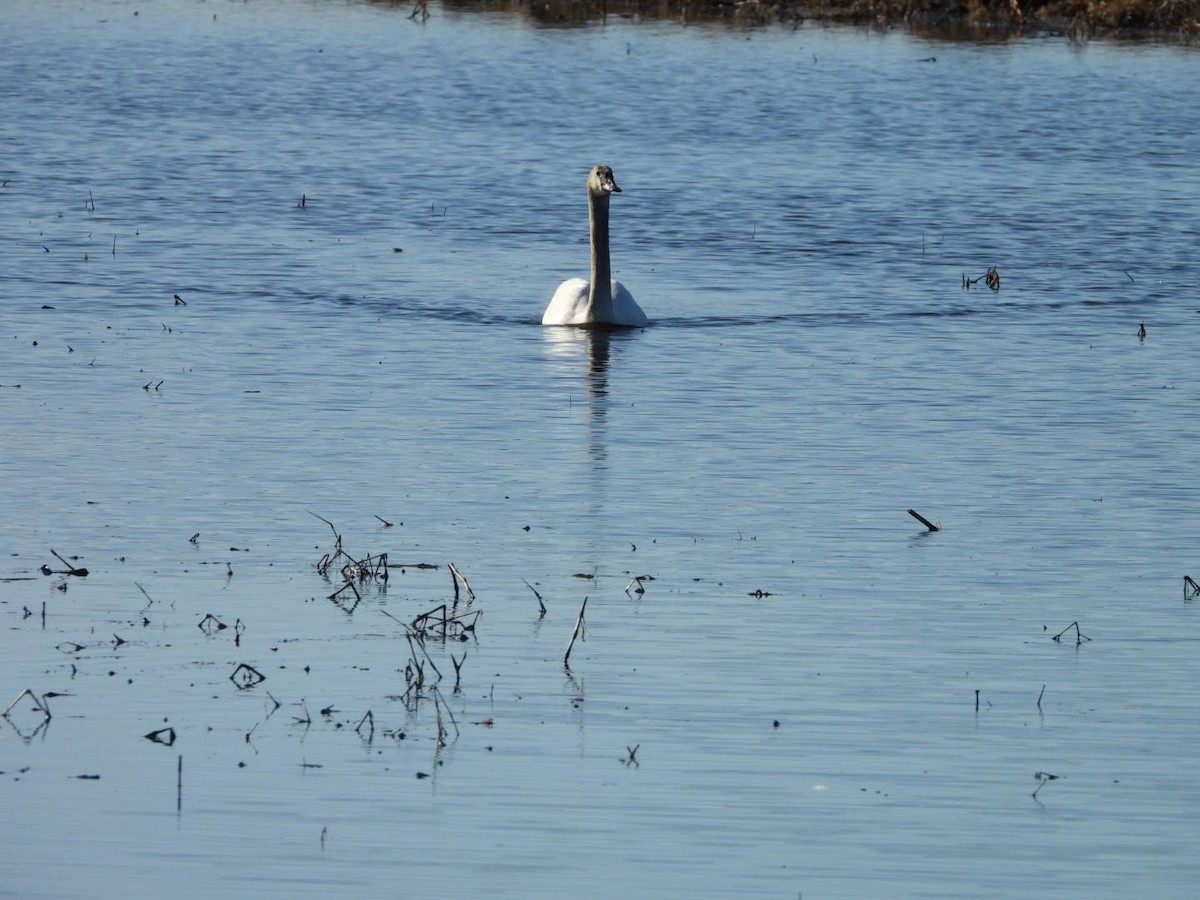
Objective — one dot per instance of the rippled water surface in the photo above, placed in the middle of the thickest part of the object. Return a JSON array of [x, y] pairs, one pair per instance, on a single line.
[[364, 217]]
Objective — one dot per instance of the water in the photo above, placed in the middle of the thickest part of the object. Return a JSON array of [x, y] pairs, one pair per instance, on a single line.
[[799, 209]]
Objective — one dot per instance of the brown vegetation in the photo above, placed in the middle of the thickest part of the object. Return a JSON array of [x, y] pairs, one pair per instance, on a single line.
[[1079, 19]]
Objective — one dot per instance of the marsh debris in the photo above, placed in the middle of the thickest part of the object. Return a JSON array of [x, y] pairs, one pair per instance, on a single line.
[[1080, 637], [162, 736], [924, 521], [1043, 779], [577, 633], [39, 703], [77, 571], [246, 676], [991, 278]]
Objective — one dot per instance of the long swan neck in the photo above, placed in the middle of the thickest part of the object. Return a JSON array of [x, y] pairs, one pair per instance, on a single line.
[[600, 290]]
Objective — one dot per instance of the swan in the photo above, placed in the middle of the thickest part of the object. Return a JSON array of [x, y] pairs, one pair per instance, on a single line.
[[602, 300]]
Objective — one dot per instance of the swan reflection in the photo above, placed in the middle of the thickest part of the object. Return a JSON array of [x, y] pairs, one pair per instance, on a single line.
[[584, 354]]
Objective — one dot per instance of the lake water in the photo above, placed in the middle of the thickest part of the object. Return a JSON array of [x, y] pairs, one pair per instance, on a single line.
[[365, 217]]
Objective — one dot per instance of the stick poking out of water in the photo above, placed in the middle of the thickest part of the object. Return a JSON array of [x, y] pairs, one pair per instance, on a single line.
[[924, 521], [71, 570], [541, 604], [1080, 637], [578, 630], [459, 576], [1190, 588]]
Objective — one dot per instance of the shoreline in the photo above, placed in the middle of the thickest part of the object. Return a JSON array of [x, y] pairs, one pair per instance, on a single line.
[[988, 20]]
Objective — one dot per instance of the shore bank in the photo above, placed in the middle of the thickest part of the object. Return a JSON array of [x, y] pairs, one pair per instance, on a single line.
[[969, 19]]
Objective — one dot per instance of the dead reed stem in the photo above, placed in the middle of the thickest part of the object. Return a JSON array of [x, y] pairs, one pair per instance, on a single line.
[[1080, 637], [576, 633], [924, 521], [459, 576], [541, 605]]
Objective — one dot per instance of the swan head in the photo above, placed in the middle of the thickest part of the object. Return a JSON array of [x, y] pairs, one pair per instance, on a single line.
[[601, 182]]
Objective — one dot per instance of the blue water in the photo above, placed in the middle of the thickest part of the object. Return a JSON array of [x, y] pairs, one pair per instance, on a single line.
[[365, 217]]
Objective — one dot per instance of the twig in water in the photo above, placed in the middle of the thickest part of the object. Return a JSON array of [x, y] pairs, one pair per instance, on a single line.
[[246, 676], [458, 664], [1190, 588], [576, 633], [541, 605], [307, 720], [991, 278], [38, 702], [162, 736], [1042, 778], [71, 570], [1080, 637], [342, 604], [459, 576], [638, 581], [386, 523], [924, 521], [632, 761], [1040, 694], [440, 702], [369, 720]]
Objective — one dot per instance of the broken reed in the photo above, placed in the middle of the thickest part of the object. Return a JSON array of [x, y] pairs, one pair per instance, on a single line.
[[354, 571], [576, 633], [445, 622]]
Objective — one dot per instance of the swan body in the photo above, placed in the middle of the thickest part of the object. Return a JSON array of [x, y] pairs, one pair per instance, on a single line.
[[600, 300]]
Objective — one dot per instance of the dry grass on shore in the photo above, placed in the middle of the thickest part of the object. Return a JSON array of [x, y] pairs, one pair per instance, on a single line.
[[1078, 19]]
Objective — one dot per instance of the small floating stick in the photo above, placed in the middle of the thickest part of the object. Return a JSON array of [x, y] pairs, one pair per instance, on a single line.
[[1042, 778], [71, 570], [162, 736], [578, 630], [924, 521], [1080, 637], [1190, 588]]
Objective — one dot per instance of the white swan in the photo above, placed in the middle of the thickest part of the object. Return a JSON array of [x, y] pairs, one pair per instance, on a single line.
[[600, 301]]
